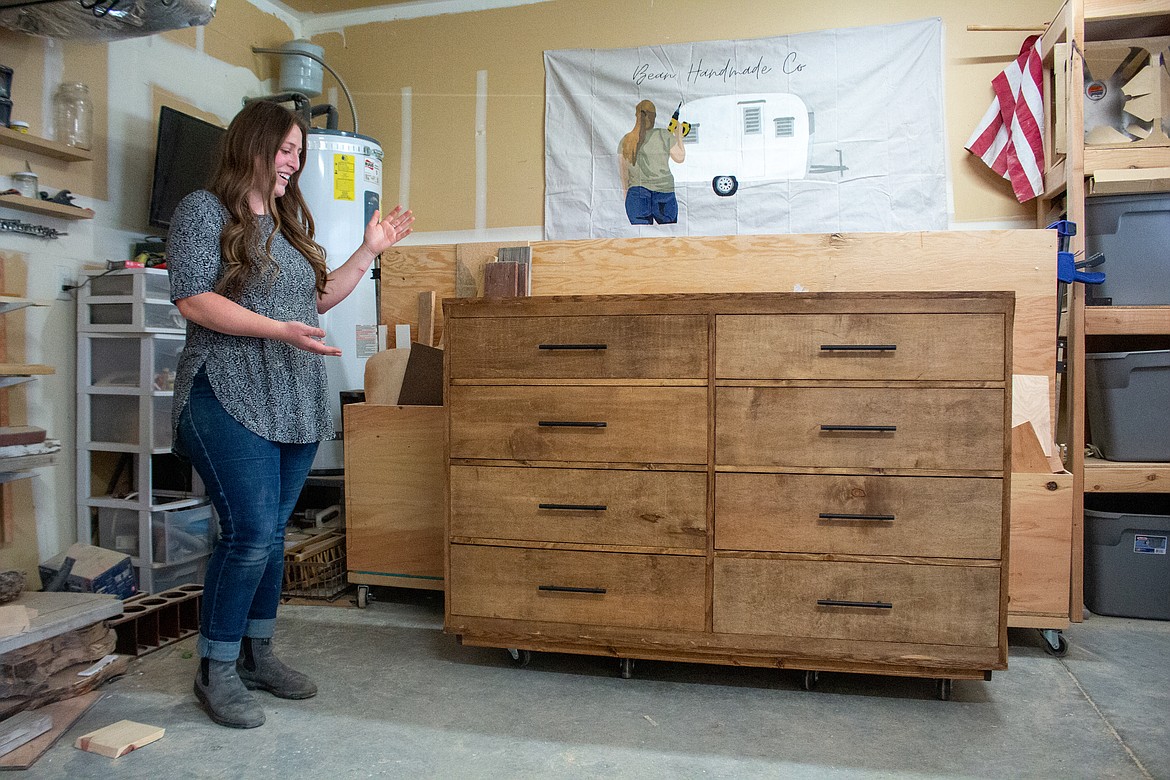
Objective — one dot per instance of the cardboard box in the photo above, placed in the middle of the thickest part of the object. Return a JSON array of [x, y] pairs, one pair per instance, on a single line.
[[95, 570]]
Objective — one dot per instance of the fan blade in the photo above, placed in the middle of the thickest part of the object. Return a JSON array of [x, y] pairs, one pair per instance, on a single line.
[[1144, 107], [1141, 84], [1099, 136]]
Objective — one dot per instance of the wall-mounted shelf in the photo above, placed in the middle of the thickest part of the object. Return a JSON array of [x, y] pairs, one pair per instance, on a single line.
[[12, 469], [25, 369], [44, 207], [31, 143], [13, 302]]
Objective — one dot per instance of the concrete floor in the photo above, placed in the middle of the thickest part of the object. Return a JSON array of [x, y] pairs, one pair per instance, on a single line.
[[401, 699]]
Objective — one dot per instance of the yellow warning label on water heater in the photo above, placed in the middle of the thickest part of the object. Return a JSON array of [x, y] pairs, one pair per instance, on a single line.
[[343, 177]]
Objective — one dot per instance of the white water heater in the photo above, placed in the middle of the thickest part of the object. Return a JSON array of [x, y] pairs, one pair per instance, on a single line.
[[342, 185]]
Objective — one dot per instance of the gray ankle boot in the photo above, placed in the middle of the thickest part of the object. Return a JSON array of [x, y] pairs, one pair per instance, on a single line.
[[224, 696], [259, 668]]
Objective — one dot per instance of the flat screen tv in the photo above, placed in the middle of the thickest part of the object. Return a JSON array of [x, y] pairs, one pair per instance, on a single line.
[[183, 161]]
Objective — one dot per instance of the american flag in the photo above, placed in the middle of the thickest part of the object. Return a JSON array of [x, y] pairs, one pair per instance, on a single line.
[[1010, 137]]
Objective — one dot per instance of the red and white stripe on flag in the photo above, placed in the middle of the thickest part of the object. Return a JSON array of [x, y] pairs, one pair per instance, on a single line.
[[1010, 137]]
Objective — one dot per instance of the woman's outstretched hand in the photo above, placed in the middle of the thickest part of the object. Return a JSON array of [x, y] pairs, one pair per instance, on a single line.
[[381, 234], [308, 338]]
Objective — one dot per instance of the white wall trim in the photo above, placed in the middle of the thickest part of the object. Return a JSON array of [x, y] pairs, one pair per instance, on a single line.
[[481, 149], [293, 19], [316, 24]]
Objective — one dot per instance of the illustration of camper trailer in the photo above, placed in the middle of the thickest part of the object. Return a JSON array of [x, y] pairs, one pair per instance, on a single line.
[[753, 137]]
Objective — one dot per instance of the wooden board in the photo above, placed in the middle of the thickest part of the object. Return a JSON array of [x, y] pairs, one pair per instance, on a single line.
[[64, 713], [118, 739], [1023, 261], [60, 612], [1041, 532], [394, 486]]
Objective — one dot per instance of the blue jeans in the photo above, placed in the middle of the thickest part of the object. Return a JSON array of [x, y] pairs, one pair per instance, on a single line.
[[254, 484], [645, 207]]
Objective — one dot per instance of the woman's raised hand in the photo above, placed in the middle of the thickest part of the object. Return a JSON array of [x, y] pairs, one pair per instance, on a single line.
[[381, 234]]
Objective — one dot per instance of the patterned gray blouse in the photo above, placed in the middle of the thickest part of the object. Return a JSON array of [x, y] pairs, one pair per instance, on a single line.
[[274, 389]]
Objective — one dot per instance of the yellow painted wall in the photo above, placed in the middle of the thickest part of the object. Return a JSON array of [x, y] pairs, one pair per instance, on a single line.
[[438, 58]]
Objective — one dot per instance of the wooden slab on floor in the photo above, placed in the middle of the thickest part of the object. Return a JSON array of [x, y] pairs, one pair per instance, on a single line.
[[60, 612], [118, 739], [65, 714]]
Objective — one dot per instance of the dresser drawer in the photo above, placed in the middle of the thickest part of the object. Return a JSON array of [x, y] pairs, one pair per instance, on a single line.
[[586, 506], [891, 602], [648, 346], [860, 346], [588, 424], [945, 517], [589, 588], [908, 428]]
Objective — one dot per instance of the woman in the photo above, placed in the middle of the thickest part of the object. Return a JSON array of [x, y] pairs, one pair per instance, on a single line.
[[644, 156], [250, 404]]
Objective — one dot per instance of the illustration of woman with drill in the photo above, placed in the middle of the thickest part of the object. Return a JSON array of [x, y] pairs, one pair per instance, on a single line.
[[644, 157]]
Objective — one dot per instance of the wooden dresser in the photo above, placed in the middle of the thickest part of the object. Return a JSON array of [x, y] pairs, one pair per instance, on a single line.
[[806, 481]]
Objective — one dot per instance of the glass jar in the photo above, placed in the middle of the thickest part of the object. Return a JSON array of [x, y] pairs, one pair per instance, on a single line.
[[73, 115]]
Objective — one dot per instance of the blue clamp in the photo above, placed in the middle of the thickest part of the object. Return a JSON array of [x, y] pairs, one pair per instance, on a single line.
[[1066, 271], [1066, 265]]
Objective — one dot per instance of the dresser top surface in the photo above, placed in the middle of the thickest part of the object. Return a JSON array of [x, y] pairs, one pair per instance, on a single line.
[[894, 302]]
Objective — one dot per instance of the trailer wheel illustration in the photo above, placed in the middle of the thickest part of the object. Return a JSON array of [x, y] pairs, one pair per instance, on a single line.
[[725, 186]]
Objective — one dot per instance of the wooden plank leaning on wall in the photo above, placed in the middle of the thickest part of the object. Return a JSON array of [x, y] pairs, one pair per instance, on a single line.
[[1019, 260]]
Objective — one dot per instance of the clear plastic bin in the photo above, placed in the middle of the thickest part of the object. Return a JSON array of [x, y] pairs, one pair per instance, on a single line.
[[123, 315], [114, 419], [154, 284], [170, 577], [177, 534]]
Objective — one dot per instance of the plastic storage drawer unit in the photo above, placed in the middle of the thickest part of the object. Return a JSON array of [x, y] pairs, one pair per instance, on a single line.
[[1127, 567], [1133, 233], [1127, 395]]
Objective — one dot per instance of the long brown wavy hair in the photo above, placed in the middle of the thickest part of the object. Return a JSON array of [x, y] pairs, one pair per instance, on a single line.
[[634, 139], [246, 162]]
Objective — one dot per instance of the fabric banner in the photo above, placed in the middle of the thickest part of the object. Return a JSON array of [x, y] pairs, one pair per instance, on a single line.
[[833, 131]]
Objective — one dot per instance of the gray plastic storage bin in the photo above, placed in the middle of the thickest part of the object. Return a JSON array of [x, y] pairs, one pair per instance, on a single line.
[[1127, 567], [1133, 232], [1127, 395]]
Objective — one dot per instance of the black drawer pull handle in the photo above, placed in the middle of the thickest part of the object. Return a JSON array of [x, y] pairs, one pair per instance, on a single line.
[[568, 589], [843, 516], [570, 424], [863, 604], [584, 507], [870, 428], [573, 346], [858, 347]]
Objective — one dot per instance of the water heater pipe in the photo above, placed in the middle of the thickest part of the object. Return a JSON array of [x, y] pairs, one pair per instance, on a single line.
[[345, 89]]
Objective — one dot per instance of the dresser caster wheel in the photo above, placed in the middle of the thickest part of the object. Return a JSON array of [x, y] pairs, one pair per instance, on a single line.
[[363, 596], [1054, 642], [520, 658], [809, 679], [626, 668], [943, 689]]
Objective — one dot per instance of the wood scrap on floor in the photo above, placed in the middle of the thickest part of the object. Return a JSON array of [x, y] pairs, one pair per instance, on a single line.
[[119, 738]]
